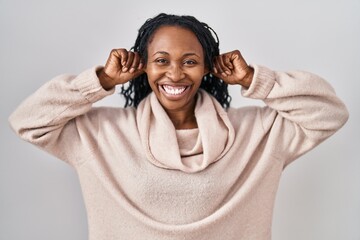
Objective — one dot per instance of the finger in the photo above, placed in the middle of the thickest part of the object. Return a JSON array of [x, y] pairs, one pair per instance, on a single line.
[[129, 61], [120, 56], [216, 70], [239, 61], [135, 62], [225, 70], [237, 56], [228, 61], [141, 65], [113, 63]]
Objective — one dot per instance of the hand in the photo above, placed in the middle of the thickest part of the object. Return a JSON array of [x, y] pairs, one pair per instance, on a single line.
[[121, 67], [232, 69]]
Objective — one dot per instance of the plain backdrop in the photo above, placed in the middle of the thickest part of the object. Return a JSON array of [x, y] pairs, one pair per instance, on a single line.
[[319, 194]]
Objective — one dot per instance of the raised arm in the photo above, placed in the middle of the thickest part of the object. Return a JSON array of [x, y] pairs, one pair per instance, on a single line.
[[302, 108], [56, 117]]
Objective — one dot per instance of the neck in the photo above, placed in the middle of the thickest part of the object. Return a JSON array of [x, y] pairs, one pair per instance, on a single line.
[[184, 118]]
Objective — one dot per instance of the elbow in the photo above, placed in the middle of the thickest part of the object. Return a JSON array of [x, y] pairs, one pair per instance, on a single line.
[[24, 130], [335, 117], [14, 125], [342, 115], [345, 116], [19, 130], [328, 124]]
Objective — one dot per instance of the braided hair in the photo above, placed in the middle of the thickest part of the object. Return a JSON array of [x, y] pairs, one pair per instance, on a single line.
[[138, 88]]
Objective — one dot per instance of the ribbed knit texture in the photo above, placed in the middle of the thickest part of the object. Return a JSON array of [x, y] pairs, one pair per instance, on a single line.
[[140, 181]]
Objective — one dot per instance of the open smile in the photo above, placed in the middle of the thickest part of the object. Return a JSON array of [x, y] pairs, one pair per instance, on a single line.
[[174, 92]]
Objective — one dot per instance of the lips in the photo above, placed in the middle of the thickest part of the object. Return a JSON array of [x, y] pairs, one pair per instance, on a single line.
[[174, 92]]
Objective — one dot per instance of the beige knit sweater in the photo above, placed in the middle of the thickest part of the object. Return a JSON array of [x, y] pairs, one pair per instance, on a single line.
[[142, 179]]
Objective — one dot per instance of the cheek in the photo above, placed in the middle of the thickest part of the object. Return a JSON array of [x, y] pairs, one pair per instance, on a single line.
[[197, 77], [153, 74]]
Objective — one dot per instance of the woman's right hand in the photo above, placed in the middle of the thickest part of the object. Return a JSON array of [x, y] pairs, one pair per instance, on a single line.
[[121, 66]]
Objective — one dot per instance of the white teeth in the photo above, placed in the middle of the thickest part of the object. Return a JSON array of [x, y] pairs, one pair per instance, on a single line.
[[173, 90]]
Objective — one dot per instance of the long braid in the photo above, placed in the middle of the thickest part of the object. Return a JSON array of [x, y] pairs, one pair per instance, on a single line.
[[138, 88]]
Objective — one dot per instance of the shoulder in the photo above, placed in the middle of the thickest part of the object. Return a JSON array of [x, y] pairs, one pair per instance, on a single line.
[[112, 112], [243, 113], [116, 116], [250, 116]]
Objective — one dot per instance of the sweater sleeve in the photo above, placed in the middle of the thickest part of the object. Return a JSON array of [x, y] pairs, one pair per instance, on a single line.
[[53, 118], [302, 110]]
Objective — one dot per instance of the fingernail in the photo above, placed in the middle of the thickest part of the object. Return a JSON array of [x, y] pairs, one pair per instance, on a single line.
[[124, 69], [132, 70], [228, 72]]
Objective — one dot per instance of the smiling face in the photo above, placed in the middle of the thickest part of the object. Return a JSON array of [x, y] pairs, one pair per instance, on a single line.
[[175, 67]]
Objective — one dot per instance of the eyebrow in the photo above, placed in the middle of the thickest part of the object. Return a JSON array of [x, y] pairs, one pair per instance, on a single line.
[[184, 55]]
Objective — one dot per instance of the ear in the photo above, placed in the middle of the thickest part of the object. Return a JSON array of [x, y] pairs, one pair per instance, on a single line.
[[206, 70], [145, 68]]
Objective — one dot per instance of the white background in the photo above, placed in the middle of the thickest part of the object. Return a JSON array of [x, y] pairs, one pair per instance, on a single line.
[[319, 194]]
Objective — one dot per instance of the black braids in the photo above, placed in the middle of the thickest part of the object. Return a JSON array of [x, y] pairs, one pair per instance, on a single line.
[[128, 94], [139, 88]]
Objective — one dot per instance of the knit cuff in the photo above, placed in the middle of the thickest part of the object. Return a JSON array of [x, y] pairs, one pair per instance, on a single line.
[[262, 83], [89, 85]]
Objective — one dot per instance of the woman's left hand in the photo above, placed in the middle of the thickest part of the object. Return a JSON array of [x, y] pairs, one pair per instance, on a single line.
[[232, 69]]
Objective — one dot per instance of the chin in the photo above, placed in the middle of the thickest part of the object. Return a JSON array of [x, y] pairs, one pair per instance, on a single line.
[[171, 105]]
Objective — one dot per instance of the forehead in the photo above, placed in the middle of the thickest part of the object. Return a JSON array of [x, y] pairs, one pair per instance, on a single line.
[[174, 39]]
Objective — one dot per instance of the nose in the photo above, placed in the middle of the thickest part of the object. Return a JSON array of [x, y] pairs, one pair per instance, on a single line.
[[175, 72]]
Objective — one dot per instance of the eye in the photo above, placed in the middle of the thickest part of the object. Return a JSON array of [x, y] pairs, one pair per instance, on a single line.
[[190, 62], [161, 61]]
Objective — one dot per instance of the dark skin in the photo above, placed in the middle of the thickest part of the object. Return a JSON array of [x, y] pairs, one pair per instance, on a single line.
[[175, 68]]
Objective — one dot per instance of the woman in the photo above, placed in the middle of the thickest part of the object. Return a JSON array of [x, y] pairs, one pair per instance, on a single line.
[[178, 162]]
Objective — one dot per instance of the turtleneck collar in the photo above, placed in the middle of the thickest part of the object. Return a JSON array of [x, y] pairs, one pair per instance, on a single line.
[[159, 139]]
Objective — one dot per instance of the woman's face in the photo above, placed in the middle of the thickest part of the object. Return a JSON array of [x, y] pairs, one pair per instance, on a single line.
[[175, 67]]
